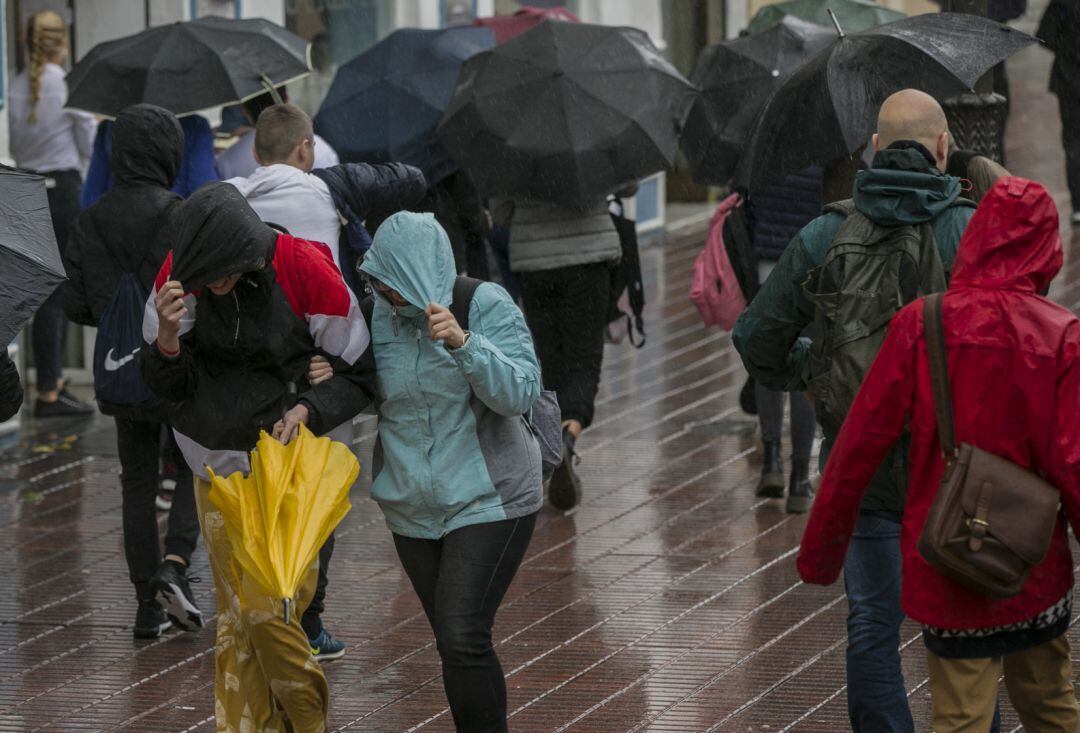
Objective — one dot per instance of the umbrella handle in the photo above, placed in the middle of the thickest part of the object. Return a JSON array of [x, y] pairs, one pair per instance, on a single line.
[[288, 610], [273, 89]]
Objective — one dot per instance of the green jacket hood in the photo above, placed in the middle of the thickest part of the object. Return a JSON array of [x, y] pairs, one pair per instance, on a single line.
[[411, 253], [903, 188]]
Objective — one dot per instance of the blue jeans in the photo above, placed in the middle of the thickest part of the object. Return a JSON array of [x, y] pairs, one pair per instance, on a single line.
[[877, 696]]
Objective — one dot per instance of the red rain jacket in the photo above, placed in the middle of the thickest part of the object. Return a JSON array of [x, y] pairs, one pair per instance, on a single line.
[[1014, 364]]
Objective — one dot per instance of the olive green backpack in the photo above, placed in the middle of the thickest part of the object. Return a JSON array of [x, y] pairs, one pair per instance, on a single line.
[[870, 272]]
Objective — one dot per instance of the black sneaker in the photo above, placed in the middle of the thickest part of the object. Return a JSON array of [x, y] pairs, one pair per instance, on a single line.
[[150, 620], [172, 590], [66, 405], [771, 485], [564, 491]]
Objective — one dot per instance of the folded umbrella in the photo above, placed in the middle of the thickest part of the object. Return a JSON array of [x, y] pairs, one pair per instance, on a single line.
[[185, 67], [854, 15], [30, 265], [566, 113], [735, 79], [506, 27], [385, 104], [827, 108], [279, 515]]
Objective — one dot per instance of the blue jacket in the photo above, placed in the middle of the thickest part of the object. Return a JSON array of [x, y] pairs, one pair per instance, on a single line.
[[779, 210], [196, 163], [453, 447]]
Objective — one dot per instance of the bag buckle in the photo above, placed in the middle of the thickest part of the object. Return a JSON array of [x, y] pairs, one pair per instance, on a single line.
[[979, 529]]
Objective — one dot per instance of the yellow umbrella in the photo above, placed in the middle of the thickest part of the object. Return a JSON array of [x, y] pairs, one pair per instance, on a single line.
[[279, 515]]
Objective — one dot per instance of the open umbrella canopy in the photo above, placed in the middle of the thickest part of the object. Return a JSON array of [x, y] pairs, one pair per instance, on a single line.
[[385, 104], [566, 113], [185, 67], [279, 515], [30, 265], [827, 108], [506, 27], [854, 15], [735, 79]]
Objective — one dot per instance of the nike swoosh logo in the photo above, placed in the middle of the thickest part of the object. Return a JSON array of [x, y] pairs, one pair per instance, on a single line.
[[112, 364]]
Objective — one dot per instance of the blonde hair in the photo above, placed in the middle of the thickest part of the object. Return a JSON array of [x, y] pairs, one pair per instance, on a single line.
[[46, 35]]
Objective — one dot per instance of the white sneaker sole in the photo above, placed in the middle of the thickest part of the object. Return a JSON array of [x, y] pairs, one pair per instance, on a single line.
[[183, 613]]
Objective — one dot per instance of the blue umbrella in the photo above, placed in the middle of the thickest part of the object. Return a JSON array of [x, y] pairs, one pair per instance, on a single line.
[[385, 104]]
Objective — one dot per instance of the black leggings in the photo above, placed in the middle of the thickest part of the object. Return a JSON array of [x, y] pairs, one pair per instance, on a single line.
[[461, 580], [48, 333]]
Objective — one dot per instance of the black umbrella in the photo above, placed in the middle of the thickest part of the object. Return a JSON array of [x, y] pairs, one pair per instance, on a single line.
[[827, 108], [385, 104], [735, 79], [30, 266], [185, 67], [566, 113]]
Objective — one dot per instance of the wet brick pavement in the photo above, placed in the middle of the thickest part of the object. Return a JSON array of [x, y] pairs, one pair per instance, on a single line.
[[668, 602]]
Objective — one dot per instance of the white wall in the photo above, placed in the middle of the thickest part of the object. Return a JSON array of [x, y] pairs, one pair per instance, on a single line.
[[272, 10], [92, 25], [644, 14]]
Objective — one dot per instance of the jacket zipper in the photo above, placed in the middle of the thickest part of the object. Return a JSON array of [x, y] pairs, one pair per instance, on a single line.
[[236, 335], [393, 318]]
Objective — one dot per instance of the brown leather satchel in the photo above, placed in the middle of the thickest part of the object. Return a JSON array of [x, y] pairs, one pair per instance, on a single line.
[[991, 520]]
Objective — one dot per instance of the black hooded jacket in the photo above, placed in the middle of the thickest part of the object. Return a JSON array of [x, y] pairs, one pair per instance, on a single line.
[[127, 229], [11, 393], [244, 355]]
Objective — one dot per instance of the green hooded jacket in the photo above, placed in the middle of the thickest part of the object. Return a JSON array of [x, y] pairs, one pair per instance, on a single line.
[[901, 188]]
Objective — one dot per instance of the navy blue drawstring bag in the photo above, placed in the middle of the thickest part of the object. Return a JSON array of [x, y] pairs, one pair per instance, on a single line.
[[118, 381]]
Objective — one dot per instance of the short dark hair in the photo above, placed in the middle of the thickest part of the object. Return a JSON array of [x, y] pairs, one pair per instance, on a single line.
[[279, 130]]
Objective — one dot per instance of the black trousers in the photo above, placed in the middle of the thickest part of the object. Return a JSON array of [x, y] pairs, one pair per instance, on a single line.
[[461, 580], [48, 334], [567, 311], [312, 618], [138, 444], [1070, 139]]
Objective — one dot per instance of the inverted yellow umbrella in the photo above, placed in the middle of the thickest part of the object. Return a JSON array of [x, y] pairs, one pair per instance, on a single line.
[[279, 515]]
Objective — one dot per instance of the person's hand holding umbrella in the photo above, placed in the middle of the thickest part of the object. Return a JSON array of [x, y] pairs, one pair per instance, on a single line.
[[171, 309]]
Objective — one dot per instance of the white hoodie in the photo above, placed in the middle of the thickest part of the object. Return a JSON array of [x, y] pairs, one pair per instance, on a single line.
[[300, 202]]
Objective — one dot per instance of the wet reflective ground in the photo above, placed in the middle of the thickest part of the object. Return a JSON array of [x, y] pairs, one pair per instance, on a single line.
[[668, 602]]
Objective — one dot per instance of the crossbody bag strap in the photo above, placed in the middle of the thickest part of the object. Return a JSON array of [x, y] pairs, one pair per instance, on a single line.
[[934, 328]]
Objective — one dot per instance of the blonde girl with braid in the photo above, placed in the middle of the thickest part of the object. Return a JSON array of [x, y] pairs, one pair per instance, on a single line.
[[56, 143]]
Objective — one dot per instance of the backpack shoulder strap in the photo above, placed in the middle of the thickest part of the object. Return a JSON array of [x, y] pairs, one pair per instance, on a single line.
[[464, 289]]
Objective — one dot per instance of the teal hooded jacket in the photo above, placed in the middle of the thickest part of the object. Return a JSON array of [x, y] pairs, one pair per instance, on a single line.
[[453, 447], [901, 188]]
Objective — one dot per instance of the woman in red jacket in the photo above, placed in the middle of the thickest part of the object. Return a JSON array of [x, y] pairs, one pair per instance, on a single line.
[[1014, 365]]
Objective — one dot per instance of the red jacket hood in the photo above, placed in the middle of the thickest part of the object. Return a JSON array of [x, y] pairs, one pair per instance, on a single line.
[[1012, 242]]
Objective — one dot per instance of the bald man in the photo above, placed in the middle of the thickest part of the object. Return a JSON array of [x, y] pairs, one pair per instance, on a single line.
[[905, 187]]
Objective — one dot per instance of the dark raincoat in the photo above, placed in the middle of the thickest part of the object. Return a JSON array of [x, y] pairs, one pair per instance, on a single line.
[[127, 229], [244, 355], [900, 188], [1014, 364]]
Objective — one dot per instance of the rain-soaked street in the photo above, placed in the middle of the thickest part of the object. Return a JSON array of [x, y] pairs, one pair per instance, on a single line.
[[669, 601]]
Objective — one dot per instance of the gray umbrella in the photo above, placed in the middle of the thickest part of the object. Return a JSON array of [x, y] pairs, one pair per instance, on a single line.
[[30, 265]]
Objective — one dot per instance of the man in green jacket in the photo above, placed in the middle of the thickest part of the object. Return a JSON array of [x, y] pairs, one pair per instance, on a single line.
[[905, 186]]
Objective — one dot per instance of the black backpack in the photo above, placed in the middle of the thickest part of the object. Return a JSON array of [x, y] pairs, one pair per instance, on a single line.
[[118, 381]]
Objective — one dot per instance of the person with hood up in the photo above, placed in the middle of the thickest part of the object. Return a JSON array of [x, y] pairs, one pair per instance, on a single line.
[[196, 162], [128, 230], [237, 313], [283, 190], [1014, 367], [457, 468], [1059, 29], [905, 186]]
